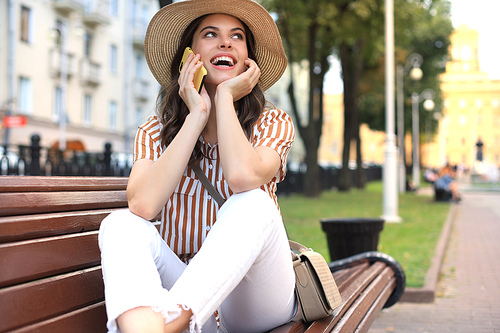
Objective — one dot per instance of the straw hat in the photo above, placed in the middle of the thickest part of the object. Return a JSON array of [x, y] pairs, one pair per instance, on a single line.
[[165, 30]]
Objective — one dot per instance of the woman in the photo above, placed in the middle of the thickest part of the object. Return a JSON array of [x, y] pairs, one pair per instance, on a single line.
[[224, 268]]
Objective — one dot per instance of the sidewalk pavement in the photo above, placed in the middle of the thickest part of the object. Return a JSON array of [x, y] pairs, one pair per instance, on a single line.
[[468, 293]]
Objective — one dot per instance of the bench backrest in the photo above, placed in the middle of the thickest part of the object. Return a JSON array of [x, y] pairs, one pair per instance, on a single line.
[[50, 276]]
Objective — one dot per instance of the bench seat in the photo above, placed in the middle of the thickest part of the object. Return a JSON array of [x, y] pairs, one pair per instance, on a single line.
[[51, 275]]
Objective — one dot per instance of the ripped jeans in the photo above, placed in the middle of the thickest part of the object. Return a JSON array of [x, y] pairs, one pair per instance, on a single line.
[[243, 269]]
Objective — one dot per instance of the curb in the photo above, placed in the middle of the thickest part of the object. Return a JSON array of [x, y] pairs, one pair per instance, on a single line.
[[427, 293]]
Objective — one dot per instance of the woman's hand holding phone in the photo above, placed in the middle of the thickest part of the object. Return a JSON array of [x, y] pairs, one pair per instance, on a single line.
[[194, 99], [199, 75]]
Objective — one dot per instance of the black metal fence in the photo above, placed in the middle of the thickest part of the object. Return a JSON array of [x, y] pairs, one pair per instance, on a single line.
[[34, 160], [329, 178]]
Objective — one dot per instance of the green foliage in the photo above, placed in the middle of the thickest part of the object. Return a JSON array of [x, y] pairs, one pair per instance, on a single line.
[[412, 243], [422, 27]]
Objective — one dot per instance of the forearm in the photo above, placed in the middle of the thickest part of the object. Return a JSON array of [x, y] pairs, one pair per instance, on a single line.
[[151, 184], [244, 166]]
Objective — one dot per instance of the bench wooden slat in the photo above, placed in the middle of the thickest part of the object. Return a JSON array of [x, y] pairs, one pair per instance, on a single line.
[[348, 275], [48, 202], [349, 321], [377, 306], [44, 299], [24, 227], [292, 327], [88, 319], [27, 260], [352, 291], [44, 184]]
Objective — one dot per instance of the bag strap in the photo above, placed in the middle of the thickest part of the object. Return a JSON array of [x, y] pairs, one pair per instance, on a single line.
[[208, 185], [297, 246]]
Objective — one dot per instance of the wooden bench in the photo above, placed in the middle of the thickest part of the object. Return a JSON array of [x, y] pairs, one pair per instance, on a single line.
[[50, 276]]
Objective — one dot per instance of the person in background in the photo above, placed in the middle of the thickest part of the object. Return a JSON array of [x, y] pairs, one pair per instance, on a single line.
[[446, 182]]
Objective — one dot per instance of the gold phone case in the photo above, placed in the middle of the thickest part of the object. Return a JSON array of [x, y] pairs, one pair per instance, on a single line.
[[200, 74]]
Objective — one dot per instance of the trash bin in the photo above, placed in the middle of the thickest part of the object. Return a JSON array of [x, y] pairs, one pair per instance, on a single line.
[[350, 236]]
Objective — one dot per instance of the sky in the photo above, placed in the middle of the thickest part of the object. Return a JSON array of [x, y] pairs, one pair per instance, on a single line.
[[480, 15]]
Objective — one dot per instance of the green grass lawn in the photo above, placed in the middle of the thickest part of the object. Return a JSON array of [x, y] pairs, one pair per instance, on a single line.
[[412, 243]]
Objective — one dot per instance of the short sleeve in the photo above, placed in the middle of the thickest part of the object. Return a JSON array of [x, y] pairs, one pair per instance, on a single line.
[[275, 130], [147, 140]]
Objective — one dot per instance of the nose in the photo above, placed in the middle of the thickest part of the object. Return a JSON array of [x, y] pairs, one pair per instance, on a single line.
[[225, 44]]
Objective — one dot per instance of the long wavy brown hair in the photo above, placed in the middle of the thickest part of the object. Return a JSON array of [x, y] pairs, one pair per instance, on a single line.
[[173, 111]]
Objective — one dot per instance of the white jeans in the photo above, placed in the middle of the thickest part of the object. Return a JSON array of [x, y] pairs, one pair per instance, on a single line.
[[243, 269]]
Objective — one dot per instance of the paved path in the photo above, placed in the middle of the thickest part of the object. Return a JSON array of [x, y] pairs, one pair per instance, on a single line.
[[468, 295]]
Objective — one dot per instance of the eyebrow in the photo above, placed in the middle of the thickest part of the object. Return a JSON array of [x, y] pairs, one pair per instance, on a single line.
[[211, 27]]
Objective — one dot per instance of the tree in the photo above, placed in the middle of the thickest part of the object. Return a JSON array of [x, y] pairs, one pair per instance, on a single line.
[[307, 34], [354, 31], [421, 27], [164, 3], [361, 29]]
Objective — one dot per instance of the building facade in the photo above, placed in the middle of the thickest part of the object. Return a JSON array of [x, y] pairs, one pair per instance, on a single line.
[[469, 129], [471, 114], [75, 70]]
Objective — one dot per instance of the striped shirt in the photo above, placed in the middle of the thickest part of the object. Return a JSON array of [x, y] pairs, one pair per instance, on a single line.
[[190, 212]]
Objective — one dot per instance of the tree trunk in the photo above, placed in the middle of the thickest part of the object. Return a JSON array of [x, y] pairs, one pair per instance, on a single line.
[[351, 62], [360, 172]]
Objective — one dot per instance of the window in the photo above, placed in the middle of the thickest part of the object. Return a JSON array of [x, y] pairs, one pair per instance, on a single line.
[[56, 110], [112, 115], [87, 47], [113, 7], [138, 66], [25, 99], [87, 109], [113, 54], [138, 117], [26, 31]]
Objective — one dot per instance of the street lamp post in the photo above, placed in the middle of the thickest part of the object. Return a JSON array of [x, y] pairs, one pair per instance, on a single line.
[[63, 82], [390, 192], [412, 67], [427, 96]]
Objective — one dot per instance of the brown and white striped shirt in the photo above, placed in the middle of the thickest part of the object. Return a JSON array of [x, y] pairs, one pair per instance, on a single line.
[[190, 212]]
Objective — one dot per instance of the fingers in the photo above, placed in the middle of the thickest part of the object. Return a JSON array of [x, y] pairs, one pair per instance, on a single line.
[[254, 72], [194, 101], [243, 84], [192, 64]]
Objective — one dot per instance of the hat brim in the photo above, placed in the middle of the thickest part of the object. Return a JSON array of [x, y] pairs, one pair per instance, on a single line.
[[165, 30]]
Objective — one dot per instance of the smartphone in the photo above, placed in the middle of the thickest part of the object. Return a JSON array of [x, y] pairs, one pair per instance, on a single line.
[[200, 74]]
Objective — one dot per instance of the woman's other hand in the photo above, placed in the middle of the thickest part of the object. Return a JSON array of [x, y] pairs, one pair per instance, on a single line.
[[242, 84]]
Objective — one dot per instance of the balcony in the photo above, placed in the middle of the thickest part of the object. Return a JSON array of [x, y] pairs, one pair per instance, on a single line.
[[90, 72], [138, 34], [96, 12], [141, 89], [68, 6], [55, 65]]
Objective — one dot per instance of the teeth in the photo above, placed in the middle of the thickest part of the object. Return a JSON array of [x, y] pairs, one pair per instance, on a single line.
[[223, 58]]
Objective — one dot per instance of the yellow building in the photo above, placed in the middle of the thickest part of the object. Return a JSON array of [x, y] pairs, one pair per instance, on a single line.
[[471, 110], [332, 141]]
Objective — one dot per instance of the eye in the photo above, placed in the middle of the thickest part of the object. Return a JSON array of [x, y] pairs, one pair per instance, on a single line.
[[210, 34], [238, 36]]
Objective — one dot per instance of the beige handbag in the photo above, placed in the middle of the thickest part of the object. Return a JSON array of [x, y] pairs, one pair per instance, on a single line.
[[316, 290], [315, 287]]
